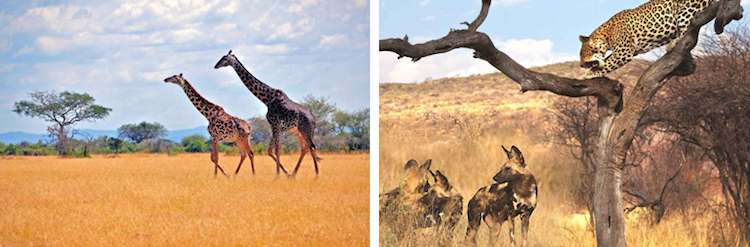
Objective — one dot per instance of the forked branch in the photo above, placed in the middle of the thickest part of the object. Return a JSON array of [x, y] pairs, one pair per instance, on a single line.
[[608, 92]]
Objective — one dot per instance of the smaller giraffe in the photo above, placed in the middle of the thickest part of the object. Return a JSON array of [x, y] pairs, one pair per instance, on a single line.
[[221, 126], [284, 115]]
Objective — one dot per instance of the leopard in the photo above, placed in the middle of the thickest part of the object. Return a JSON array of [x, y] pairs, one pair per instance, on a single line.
[[636, 31]]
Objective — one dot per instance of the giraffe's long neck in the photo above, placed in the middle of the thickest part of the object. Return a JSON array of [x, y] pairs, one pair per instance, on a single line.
[[202, 104], [263, 92]]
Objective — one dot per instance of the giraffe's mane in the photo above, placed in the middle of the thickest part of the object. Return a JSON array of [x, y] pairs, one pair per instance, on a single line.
[[201, 96]]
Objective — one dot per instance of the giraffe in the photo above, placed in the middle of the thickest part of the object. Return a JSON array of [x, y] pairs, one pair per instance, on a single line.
[[221, 126], [284, 115]]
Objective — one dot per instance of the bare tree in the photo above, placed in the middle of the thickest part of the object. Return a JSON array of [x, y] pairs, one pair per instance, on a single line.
[[617, 121], [718, 123]]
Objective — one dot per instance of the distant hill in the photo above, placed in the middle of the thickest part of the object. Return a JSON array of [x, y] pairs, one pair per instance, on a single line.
[[447, 107], [16, 137]]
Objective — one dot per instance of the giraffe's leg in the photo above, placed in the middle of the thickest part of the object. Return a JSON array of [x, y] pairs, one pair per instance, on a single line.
[[303, 151], [242, 158], [278, 156], [315, 160], [274, 148], [215, 157], [271, 149], [245, 150]]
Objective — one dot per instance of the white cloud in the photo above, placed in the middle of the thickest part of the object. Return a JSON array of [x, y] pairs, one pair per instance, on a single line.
[[117, 48], [530, 52], [186, 35], [300, 7], [271, 49], [327, 41], [286, 31], [5, 45], [230, 8], [361, 4], [424, 2], [454, 63], [25, 50]]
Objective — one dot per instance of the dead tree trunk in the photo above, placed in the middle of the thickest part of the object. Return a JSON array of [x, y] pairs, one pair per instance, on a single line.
[[618, 121]]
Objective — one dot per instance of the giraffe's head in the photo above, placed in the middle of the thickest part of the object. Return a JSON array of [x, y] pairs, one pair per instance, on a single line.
[[176, 79], [226, 60]]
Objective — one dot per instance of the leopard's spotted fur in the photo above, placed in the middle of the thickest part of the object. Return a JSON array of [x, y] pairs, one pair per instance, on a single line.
[[636, 31]]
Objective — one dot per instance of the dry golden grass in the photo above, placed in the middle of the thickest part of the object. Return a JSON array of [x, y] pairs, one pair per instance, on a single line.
[[556, 221], [141, 199], [460, 123]]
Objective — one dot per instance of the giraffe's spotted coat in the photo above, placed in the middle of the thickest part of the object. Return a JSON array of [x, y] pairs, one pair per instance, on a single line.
[[221, 126], [284, 115]]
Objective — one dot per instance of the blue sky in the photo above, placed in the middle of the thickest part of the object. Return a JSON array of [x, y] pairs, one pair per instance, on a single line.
[[120, 52], [532, 32]]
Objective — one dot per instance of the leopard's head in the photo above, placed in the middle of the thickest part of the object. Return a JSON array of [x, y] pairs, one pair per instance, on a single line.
[[592, 52]]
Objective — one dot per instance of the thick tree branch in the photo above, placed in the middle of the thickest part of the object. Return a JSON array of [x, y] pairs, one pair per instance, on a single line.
[[609, 92]]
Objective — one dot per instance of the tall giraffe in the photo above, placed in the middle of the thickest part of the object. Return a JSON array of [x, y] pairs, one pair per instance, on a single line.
[[284, 115], [221, 126]]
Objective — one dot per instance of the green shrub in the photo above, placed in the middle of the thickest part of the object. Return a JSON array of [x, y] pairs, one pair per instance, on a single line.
[[259, 149], [12, 150], [233, 150], [196, 146]]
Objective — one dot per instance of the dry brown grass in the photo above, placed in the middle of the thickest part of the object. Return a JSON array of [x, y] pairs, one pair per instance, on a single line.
[[460, 124], [157, 200]]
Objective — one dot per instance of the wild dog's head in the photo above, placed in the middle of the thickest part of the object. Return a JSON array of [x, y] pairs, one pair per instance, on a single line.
[[442, 203], [514, 167], [417, 177]]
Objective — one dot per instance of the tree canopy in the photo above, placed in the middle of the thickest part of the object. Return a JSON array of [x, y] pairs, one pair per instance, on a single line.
[[63, 109], [142, 131]]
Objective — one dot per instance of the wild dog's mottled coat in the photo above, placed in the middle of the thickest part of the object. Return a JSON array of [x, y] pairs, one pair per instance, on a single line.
[[513, 195], [422, 204]]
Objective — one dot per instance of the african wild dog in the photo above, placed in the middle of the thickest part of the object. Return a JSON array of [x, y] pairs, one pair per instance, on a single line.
[[421, 204], [513, 194], [442, 204]]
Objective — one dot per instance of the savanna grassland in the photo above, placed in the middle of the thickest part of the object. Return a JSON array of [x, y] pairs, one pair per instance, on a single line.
[[155, 200], [461, 123]]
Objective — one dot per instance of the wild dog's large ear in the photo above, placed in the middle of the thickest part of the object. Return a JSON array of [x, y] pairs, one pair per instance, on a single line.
[[440, 179], [412, 164], [583, 39], [433, 176], [426, 165], [516, 154], [507, 153]]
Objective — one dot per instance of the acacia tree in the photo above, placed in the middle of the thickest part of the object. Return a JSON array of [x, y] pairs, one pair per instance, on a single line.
[[64, 110], [142, 131], [617, 121]]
